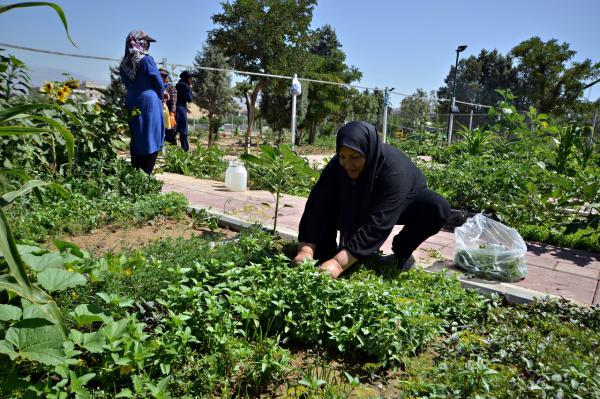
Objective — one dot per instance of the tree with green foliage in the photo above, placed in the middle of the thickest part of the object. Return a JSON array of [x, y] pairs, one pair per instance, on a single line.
[[115, 92], [276, 107], [328, 64], [547, 80], [414, 111], [478, 78], [541, 74], [364, 105], [214, 93], [264, 36]]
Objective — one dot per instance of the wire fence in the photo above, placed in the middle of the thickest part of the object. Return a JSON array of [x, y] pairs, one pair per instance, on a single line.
[[398, 122]]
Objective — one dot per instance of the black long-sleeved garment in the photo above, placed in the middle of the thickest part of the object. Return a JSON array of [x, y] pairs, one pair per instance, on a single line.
[[365, 210]]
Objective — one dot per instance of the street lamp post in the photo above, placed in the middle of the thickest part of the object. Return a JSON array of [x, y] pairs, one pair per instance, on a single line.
[[453, 103]]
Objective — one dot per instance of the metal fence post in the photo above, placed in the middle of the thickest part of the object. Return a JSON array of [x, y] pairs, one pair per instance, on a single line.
[[386, 101], [295, 90], [471, 120]]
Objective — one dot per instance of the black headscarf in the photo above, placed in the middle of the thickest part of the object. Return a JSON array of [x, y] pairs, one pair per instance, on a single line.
[[355, 195], [364, 210]]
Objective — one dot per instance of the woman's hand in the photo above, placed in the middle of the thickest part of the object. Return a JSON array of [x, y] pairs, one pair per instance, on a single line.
[[305, 252], [332, 267], [340, 262], [301, 256]]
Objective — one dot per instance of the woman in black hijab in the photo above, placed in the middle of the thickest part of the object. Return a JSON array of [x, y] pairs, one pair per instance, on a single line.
[[366, 189]]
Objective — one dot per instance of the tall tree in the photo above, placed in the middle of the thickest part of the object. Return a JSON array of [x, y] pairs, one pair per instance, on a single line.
[[265, 36], [548, 81], [328, 63], [414, 110], [477, 79], [365, 105], [214, 93], [276, 107]]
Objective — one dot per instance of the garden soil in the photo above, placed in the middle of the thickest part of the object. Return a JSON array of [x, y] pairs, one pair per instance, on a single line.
[[111, 239]]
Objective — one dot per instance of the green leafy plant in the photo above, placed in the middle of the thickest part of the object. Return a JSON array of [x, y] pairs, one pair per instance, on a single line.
[[279, 167], [13, 76], [565, 142], [476, 141], [204, 163], [587, 151], [490, 263]]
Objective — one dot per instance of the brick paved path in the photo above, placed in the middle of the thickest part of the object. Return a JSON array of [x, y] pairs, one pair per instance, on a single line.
[[550, 270]]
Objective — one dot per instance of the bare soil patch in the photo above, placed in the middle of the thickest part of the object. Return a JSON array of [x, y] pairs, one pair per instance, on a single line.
[[111, 239]]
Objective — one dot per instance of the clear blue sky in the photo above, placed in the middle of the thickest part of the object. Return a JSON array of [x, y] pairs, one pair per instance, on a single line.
[[401, 44]]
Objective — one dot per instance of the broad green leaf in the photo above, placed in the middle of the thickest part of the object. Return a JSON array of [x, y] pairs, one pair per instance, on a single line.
[[40, 301], [35, 311], [10, 312], [64, 246], [37, 342], [7, 348], [70, 258], [53, 279], [31, 249], [115, 329], [93, 342], [59, 12], [89, 313], [39, 263]]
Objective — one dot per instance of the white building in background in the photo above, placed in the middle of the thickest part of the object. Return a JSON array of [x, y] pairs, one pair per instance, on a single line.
[[92, 91]]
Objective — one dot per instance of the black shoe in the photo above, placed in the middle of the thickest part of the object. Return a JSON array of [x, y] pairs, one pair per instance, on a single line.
[[402, 264]]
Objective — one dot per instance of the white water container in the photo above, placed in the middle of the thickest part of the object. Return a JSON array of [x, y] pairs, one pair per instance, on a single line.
[[238, 178], [228, 173]]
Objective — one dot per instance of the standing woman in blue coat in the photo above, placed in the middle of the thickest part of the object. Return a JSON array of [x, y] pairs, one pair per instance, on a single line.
[[143, 101], [184, 96]]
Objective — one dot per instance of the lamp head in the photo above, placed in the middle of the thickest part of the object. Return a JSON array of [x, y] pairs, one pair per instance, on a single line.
[[461, 48]]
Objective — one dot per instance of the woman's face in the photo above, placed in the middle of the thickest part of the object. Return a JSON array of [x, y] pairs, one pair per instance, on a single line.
[[352, 162]]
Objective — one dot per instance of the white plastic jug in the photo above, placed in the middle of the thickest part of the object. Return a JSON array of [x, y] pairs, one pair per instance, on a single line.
[[238, 178], [232, 164]]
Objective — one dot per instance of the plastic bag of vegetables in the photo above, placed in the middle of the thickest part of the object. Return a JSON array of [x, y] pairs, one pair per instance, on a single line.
[[490, 250]]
